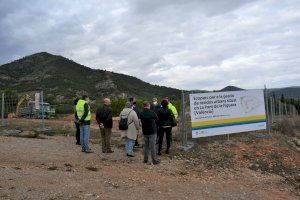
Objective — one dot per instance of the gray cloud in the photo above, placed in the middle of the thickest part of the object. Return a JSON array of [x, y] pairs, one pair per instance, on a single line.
[[184, 44]]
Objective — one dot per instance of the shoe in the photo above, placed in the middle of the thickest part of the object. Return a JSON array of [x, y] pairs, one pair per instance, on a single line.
[[145, 161], [159, 153], [156, 162], [103, 151], [82, 150], [77, 143], [137, 145], [89, 151], [129, 155], [167, 152], [109, 151]]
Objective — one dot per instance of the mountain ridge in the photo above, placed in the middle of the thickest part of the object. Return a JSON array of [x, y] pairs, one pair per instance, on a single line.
[[61, 78]]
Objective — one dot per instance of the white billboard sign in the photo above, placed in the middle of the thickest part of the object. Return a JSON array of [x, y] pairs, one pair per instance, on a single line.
[[227, 112]]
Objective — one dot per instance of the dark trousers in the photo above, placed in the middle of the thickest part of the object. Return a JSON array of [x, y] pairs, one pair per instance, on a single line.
[[150, 141], [105, 138], [161, 133], [77, 133]]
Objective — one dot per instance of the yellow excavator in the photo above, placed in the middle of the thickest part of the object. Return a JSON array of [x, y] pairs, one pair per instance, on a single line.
[[24, 99]]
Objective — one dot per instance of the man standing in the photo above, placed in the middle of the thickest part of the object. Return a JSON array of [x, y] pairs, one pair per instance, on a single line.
[[77, 125], [155, 106], [105, 122], [149, 126], [84, 117], [166, 121], [132, 100], [172, 108]]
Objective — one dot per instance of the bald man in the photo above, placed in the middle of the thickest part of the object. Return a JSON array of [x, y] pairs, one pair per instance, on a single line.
[[105, 122]]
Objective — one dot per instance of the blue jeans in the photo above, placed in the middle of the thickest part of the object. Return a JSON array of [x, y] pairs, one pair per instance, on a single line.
[[129, 144], [84, 137]]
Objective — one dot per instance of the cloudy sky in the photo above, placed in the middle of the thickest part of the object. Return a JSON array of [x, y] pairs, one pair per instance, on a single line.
[[188, 44]]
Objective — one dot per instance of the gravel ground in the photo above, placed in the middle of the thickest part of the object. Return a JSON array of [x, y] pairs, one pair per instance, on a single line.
[[55, 168]]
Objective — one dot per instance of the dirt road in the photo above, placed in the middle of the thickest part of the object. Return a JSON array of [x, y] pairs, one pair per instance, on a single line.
[[55, 168]]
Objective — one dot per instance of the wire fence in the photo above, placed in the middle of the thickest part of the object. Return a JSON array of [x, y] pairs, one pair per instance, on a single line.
[[15, 106], [277, 110]]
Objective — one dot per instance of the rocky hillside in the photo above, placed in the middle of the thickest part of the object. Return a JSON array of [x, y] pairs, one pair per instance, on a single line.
[[61, 78]]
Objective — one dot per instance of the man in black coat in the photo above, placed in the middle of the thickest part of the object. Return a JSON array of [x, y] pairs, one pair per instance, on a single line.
[[132, 100], [149, 126], [166, 122], [105, 122]]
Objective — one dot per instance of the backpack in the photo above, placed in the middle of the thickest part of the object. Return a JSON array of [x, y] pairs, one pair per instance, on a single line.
[[123, 124]]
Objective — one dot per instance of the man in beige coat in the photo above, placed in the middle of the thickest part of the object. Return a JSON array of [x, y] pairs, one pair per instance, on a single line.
[[133, 128]]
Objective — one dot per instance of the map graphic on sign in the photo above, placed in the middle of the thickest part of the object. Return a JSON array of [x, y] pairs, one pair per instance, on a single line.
[[249, 103]]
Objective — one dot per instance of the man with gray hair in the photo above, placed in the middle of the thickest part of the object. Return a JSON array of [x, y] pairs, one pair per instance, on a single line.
[[105, 122], [149, 121]]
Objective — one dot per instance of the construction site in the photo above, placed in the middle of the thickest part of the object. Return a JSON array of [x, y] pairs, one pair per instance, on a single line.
[[39, 159]]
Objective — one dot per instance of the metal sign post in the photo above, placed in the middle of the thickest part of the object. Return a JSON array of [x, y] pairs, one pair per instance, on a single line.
[[2, 110]]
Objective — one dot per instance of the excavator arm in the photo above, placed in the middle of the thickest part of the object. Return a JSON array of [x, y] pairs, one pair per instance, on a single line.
[[26, 97]]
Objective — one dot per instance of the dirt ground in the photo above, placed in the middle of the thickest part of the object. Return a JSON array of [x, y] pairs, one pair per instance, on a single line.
[[53, 167]]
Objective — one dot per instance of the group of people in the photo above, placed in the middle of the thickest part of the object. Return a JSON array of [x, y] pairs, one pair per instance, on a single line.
[[154, 120]]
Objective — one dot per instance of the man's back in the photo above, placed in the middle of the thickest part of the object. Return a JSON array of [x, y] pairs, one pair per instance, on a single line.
[[149, 120], [104, 116]]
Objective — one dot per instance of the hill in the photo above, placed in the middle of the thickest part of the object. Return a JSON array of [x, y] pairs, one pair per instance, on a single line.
[[61, 79], [288, 92]]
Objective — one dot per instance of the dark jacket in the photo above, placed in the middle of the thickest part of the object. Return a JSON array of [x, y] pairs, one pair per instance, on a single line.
[[165, 117], [104, 116], [149, 122], [137, 110], [155, 108]]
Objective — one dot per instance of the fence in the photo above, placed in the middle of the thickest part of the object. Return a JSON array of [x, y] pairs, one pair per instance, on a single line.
[[276, 111], [15, 106]]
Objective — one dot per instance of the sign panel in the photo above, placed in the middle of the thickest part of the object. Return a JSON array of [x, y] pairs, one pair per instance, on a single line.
[[227, 112], [37, 101]]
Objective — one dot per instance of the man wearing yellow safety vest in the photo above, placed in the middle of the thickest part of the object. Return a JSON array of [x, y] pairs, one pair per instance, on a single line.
[[174, 112], [172, 108], [84, 118]]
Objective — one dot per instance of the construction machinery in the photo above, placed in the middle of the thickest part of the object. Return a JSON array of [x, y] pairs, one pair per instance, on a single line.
[[33, 109]]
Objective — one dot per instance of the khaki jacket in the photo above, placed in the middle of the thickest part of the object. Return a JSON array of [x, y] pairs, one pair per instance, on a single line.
[[134, 124]]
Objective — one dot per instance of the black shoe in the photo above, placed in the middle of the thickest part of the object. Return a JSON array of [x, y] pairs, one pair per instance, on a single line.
[[109, 151], [129, 155], [145, 161], [159, 153], [156, 162], [77, 143], [167, 152], [137, 145]]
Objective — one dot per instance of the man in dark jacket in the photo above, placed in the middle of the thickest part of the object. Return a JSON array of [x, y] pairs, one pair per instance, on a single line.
[[77, 125], [105, 122], [166, 121], [149, 126], [132, 100], [155, 106]]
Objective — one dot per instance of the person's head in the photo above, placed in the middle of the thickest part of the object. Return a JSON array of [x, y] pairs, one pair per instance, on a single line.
[[154, 101], [85, 97], [128, 104], [106, 101], [167, 99], [132, 100], [76, 101], [164, 103], [146, 104]]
